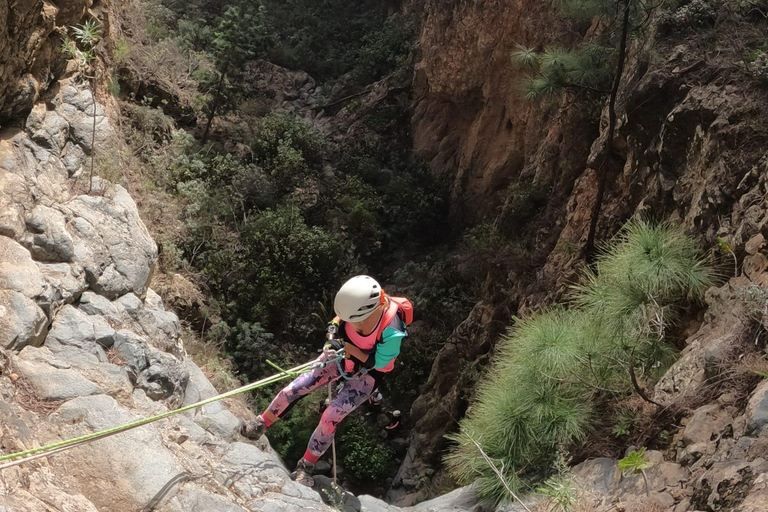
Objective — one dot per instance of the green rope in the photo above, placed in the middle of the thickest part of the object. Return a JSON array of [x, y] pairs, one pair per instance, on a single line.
[[60, 446], [287, 372]]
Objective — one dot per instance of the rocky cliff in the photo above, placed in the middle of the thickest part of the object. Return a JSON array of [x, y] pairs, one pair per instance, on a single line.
[[89, 346], [689, 148]]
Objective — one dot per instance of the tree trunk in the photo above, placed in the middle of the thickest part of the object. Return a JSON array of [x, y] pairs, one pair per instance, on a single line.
[[215, 105], [602, 171]]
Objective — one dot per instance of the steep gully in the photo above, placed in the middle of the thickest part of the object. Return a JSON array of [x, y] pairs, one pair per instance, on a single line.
[[76, 269], [689, 148]]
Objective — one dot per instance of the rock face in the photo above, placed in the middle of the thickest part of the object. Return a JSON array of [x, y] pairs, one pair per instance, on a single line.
[[93, 346], [678, 154], [472, 123], [30, 49]]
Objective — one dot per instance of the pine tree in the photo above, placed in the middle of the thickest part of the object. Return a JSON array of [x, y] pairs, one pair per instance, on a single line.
[[241, 35], [558, 373]]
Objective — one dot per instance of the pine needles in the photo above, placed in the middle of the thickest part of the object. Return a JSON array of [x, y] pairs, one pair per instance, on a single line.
[[586, 67], [558, 369]]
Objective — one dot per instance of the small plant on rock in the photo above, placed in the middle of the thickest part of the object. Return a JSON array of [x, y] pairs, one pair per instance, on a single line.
[[560, 489], [83, 50], [636, 462]]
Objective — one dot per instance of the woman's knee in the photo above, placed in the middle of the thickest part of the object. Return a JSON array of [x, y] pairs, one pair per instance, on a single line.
[[331, 417]]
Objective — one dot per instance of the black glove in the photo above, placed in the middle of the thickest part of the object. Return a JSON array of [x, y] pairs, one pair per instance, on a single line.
[[332, 342]]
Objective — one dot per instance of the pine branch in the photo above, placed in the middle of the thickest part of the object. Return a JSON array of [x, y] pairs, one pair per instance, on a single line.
[[639, 390]]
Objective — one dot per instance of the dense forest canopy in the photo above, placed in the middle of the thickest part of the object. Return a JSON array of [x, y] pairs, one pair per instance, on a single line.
[[271, 230]]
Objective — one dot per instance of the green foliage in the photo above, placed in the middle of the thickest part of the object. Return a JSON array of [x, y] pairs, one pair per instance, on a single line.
[[195, 35], [558, 368], [241, 34], [758, 64], [381, 117], [363, 455], [590, 66], [523, 200], [385, 50], [159, 19], [438, 289], [587, 67], [251, 345], [525, 57], [416, 204], [276, 264], [88, 34], [636, 461], [560, 492], [752, 9], [81, 48], [654, 263], [697, 13], [326, 39], [289, 150], [121, 51], [623, 424], [355, 209], [148, 120], [113, 87]]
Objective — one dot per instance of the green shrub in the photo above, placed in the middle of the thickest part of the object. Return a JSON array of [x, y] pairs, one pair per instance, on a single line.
[[195, 35], [272, 270], [555, 374], [385, 49], [587, 67], [323, 38], [288, 149], [121, 51], [416, 206], [251, 345], [438, 290], [148, 120], [697, 13], [364, 456], [363, 156], [403, 383], [354, 208]]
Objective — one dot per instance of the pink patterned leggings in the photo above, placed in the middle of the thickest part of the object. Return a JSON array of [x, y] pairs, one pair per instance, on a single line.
[[354, 393]]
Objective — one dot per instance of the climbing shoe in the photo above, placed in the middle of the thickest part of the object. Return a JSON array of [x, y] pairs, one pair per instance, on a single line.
[[303, 473], [253, 429]]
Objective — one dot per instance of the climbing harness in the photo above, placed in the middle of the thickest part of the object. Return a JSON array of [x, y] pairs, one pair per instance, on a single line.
[[347, 376], [60, 446]]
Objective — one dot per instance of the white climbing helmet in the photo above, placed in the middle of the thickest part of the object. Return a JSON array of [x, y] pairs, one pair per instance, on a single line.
[[357, 299]]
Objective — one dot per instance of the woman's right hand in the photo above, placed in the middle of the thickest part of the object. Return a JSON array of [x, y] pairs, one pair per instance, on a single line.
[[328, 352]]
